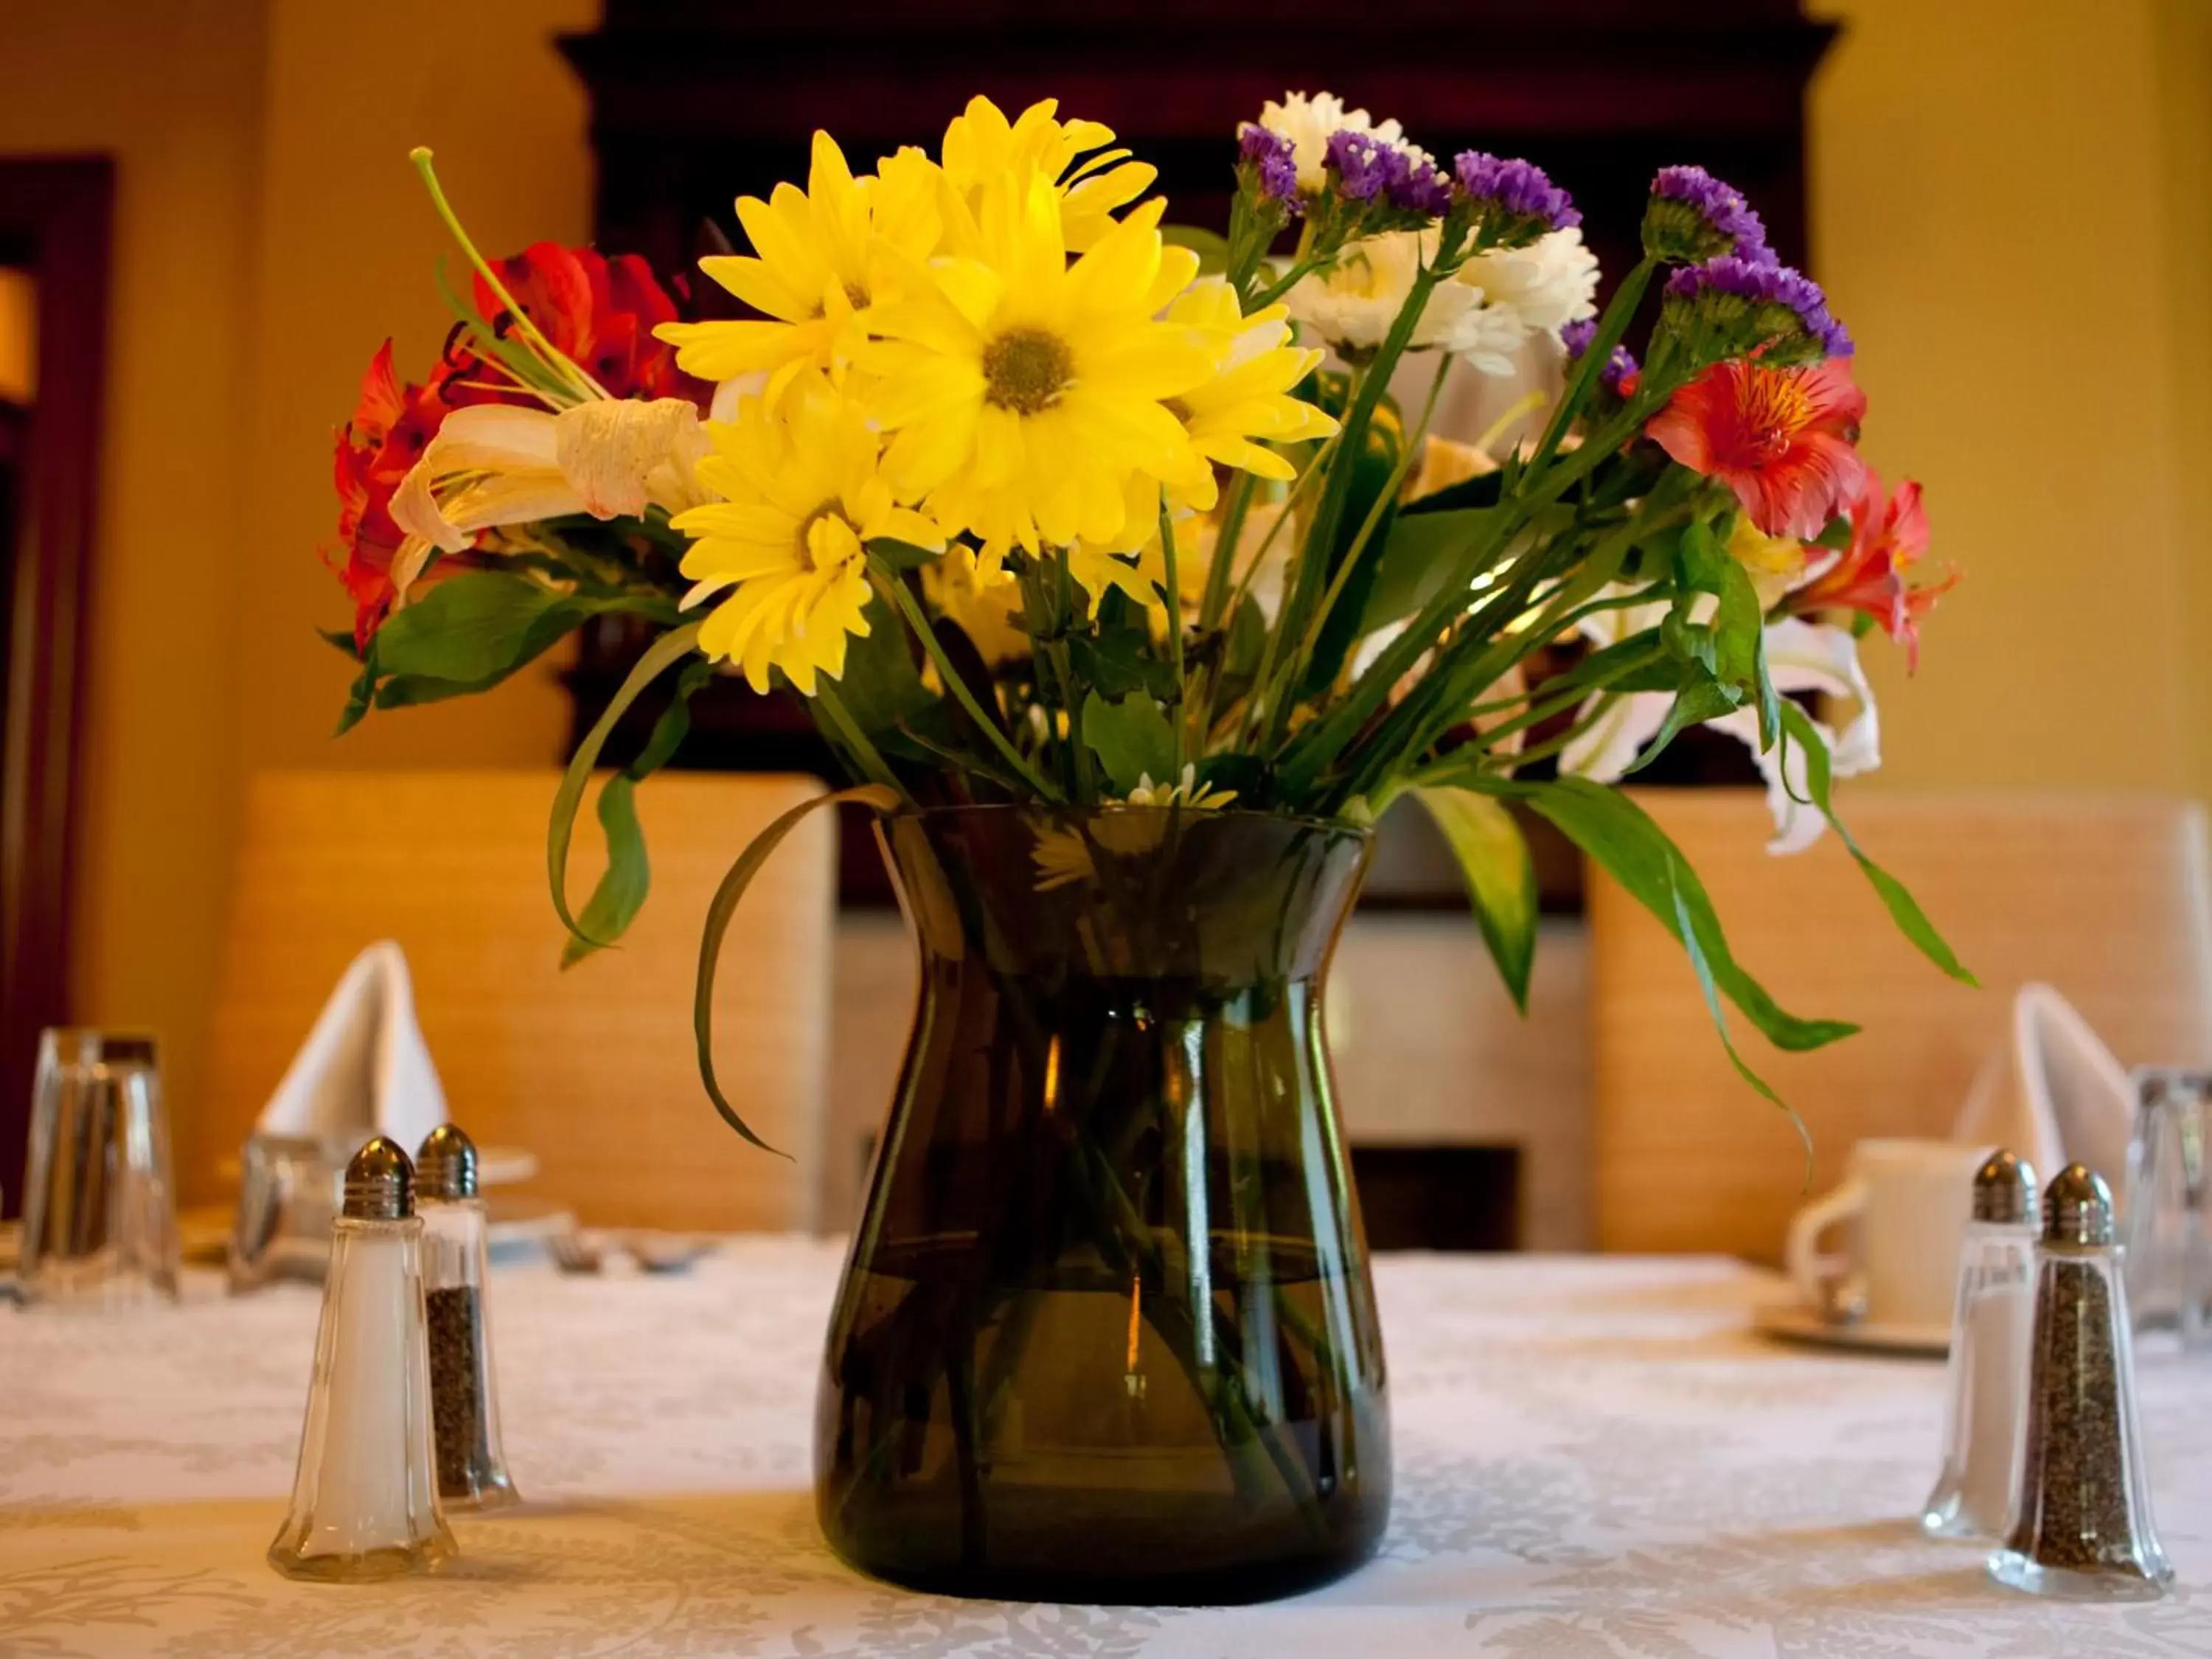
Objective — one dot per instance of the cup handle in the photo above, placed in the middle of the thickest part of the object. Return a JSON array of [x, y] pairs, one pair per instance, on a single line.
[[1809, 1270]]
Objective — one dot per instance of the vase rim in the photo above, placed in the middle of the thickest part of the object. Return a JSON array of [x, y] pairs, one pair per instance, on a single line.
[[1065, 809]]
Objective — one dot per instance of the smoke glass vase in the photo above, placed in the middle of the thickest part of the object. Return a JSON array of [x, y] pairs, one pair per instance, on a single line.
[[1106, 1334]]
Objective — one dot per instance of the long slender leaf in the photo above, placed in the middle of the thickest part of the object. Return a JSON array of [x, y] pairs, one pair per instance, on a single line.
[[1685, 929], [1501, 878], [627, 878], [562, 828], [1904, 909], [724, 906], [1619, 834]]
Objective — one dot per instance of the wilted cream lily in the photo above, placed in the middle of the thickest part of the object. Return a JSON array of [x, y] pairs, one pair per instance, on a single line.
[[492, 464], [1801, 656]]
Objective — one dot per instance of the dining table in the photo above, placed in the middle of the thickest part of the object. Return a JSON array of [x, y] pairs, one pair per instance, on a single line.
[[1594, 1456]]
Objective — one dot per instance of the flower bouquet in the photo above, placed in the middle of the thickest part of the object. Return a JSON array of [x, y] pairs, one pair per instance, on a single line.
[[1119, 566]]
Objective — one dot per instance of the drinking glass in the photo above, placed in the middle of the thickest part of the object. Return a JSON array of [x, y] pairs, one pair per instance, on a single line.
[[100, 1220], [2168, 1231]]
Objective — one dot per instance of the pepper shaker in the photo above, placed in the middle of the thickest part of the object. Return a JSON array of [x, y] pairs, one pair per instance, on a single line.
[[364, 1498], [2081, 1527], [463, 1398], [1990, 1330]]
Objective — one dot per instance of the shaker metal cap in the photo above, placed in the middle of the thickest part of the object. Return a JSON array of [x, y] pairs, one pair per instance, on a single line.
[[2077, 1207], [446, 1165], [2004, 1190], [379, 1183]]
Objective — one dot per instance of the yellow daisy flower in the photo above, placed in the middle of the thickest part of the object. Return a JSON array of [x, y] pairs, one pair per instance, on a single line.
[[822, 257], [982, 146], [1022, 391], [802, 497], [1248, 395], [957, 586]]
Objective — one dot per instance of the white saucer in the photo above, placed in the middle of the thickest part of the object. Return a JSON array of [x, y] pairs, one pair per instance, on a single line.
[[1792, 1322]]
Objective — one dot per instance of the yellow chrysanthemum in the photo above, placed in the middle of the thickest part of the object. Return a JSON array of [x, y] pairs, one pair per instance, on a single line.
[[957, 587], [980, 147], [802, 495], [1248, 395], [1022, 391], [822, 257]]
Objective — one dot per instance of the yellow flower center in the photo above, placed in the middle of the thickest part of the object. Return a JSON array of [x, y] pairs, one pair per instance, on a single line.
[[828, 509], [1026, 369]]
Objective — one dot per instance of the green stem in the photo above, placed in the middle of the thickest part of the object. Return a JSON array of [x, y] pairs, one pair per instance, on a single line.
[[1218, 575], [896, 590], [1175, 634], [556, 360], [865, 753]]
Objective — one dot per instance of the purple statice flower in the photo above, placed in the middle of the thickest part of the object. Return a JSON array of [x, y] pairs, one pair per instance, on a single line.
[[1364, 164], [1423, 188], [1516, 199], [1693, 216], [1773, 301], [1620, 370], [1274, 161]]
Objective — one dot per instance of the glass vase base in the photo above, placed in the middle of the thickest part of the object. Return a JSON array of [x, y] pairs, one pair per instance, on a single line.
[[1105, 1583]]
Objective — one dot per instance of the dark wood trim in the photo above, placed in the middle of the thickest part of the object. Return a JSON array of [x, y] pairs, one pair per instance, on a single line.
[[55, 218]]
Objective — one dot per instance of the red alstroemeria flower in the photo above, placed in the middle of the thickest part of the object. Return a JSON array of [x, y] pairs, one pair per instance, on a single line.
[[600, 313], [1782, 438], [393, 424], [1889, 535]]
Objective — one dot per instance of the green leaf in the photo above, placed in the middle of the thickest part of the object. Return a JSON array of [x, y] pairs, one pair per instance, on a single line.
[[342, 639], [724, 906], [475, 630], [1119, 660], [901, 556], [1902, 907], [1501, 878], [1685, 929], [1210, 246], [1699, 559], [561, 827], [1421, 551], [1484, 490], [622, 889], [1132, 740], [1618, 833], [882, 687], [620, 893], [1370, 493], [1701, 698]]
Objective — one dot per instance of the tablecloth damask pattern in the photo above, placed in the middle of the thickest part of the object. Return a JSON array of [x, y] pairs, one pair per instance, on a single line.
[[1593, 1458]]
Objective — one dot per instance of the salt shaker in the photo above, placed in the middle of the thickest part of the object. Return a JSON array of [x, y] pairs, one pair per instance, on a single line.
[[2081, 1527], [365, 1500], [1990, 1329], [464, 1401]]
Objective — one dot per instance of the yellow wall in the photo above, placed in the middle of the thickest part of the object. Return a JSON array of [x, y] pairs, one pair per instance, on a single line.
[[2010, 205], [2010, 209], [270, 232]]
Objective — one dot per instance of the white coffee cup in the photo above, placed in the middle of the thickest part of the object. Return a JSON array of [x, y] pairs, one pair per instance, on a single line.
[[1907, 1203]]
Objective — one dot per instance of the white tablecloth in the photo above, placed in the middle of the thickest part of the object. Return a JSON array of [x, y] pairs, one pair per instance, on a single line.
[[1594, 1457]]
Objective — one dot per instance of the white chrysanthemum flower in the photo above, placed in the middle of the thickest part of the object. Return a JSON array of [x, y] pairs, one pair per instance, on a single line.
[[1352, 304], [1548, 284], [1306, 124]]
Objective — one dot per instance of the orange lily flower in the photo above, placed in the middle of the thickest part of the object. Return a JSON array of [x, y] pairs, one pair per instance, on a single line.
[[1782, 438]]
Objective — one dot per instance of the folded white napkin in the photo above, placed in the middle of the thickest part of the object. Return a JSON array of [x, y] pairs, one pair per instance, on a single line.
[[2052, 1091], [364, 1068]]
